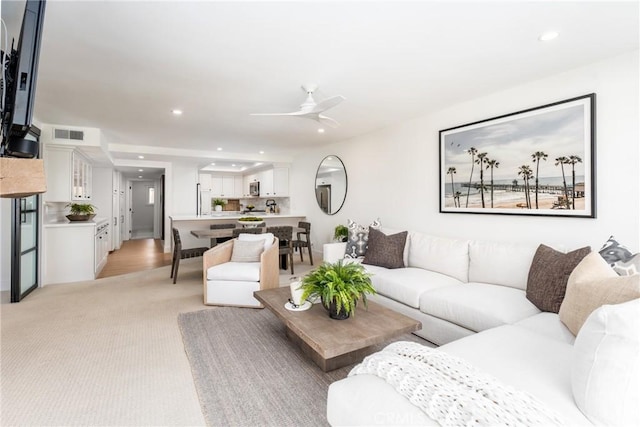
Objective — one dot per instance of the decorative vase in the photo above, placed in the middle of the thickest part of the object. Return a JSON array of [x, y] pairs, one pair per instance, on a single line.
[[80, 217], [333, 312], [218, 208]]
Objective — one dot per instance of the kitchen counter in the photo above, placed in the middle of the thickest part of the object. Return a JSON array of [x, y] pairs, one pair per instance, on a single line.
[[66, 223], [231, 215], [187, 223]]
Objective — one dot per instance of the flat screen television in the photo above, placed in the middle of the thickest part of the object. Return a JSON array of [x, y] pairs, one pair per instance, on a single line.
[[20, 75]]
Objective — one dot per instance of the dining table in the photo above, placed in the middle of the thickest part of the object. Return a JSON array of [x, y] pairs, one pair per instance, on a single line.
[[228, 232]]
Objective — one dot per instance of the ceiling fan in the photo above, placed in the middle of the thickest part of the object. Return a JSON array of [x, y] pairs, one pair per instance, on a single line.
[[309, 109]]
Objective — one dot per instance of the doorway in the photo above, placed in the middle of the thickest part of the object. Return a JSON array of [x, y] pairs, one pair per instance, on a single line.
[[145, 210]]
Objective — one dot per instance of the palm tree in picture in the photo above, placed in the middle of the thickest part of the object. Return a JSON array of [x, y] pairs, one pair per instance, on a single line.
[[537, 156], [515, 184], [456, 199], [481, 160], [490, 165], [562, 160], [472, 151], [451, 171], [572, 161], [527, 173]]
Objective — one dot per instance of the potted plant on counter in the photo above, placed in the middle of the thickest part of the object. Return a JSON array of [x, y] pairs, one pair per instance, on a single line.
[[339, 286], [218, 204], [250, 221], [81, 211]]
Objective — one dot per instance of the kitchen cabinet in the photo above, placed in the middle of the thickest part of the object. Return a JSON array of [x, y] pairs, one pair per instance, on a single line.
[[69, 175], [74, 251], [281, 182], [223, 186], [274, 182], [205, 181]]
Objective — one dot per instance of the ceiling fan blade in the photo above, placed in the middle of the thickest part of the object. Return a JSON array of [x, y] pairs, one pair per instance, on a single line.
[[328, 121], [325, 104]]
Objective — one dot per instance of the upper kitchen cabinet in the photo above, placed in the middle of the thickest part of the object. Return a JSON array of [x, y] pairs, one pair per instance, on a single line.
[[274, 182], [68, 175], [205, 181], [221, 185]]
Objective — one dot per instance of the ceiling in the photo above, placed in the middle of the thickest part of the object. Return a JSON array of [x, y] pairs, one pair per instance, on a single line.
[[123, 66]]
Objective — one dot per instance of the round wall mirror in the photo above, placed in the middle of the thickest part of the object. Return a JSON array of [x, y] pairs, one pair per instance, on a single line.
[[331, 185]]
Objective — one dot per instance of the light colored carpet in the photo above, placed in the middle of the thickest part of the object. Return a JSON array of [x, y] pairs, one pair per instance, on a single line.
[[248, 373], [103, 352]]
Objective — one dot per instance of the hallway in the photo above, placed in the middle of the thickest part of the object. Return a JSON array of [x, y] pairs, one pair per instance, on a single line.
[[135, 255]]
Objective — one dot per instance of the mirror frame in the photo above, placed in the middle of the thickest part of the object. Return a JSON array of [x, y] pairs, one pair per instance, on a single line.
[[346, 184]]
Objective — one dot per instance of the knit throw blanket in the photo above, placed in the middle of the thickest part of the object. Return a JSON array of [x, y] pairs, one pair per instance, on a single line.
[[451, 391]]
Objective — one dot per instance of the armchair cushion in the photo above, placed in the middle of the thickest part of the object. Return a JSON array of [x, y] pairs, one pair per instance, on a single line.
[[244, 251], [235, 271], [266, 238]]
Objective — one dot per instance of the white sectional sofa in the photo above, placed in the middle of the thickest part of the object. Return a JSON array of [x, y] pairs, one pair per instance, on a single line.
[[454, 287], [471, 297]]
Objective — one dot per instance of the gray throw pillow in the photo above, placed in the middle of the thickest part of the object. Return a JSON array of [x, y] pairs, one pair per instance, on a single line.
[[358, 238], [620, 258], [548, 276], [244, 251], [385, 251]]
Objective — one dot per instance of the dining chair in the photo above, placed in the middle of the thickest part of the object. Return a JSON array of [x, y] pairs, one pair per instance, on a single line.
[[216, 240], [284, 233], [179, 253], [238, 231], [301, 243]]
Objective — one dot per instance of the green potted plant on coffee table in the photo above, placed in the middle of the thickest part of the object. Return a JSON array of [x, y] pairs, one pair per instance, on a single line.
[[339, 286]]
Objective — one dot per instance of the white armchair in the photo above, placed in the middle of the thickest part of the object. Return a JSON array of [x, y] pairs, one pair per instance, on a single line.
[[233, 283]]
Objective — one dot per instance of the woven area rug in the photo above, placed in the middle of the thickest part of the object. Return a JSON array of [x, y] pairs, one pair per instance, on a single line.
[[248, 373]]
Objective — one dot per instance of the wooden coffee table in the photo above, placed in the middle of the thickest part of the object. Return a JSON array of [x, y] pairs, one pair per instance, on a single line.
[[330, 343]]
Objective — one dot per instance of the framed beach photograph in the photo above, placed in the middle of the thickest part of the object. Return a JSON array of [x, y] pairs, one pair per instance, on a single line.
[[539, 161]]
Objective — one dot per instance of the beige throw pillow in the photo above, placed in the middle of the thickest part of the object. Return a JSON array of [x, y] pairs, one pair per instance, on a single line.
[[244, 251], [593, 283]]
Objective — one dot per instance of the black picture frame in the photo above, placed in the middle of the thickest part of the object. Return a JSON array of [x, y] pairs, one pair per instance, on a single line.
[[540, 162]]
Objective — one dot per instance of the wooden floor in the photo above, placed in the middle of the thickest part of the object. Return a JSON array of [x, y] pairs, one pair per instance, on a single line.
[[135, 255]]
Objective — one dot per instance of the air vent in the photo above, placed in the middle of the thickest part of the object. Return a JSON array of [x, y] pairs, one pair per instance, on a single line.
[[75, 135]]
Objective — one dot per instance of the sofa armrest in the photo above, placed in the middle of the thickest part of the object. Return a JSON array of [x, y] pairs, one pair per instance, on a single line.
[[269, 267]]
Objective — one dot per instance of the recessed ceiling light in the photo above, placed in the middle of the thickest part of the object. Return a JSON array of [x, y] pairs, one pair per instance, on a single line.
[[243, 168], [140, 170], [257, 164], [139, 176], [261, 152], [213, 164], [320, 130], [141, 157], [219, 148], [547, 36], [176, 112], [233, 165]]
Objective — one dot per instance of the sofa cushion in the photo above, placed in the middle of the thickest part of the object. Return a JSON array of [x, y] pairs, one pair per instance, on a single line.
[[358, 238], [240, 271], [529, 362], [549, 325], [405, 285], [548, 276], [446, 256], [605, 372], [385, 250], [505, 264], [593, 284], [477, 306]]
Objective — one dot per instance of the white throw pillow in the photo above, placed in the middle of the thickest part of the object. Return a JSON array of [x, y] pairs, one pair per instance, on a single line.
[[246, 251], [605, 374], [267, 237]]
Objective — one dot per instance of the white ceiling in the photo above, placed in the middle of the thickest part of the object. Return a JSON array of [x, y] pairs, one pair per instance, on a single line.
[[122, 66]]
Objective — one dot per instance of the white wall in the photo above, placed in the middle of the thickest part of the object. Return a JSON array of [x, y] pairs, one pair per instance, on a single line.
[[185, 178], [393, 173]]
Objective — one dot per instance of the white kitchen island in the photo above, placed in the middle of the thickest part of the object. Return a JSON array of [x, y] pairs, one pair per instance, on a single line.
[[186, 223]]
